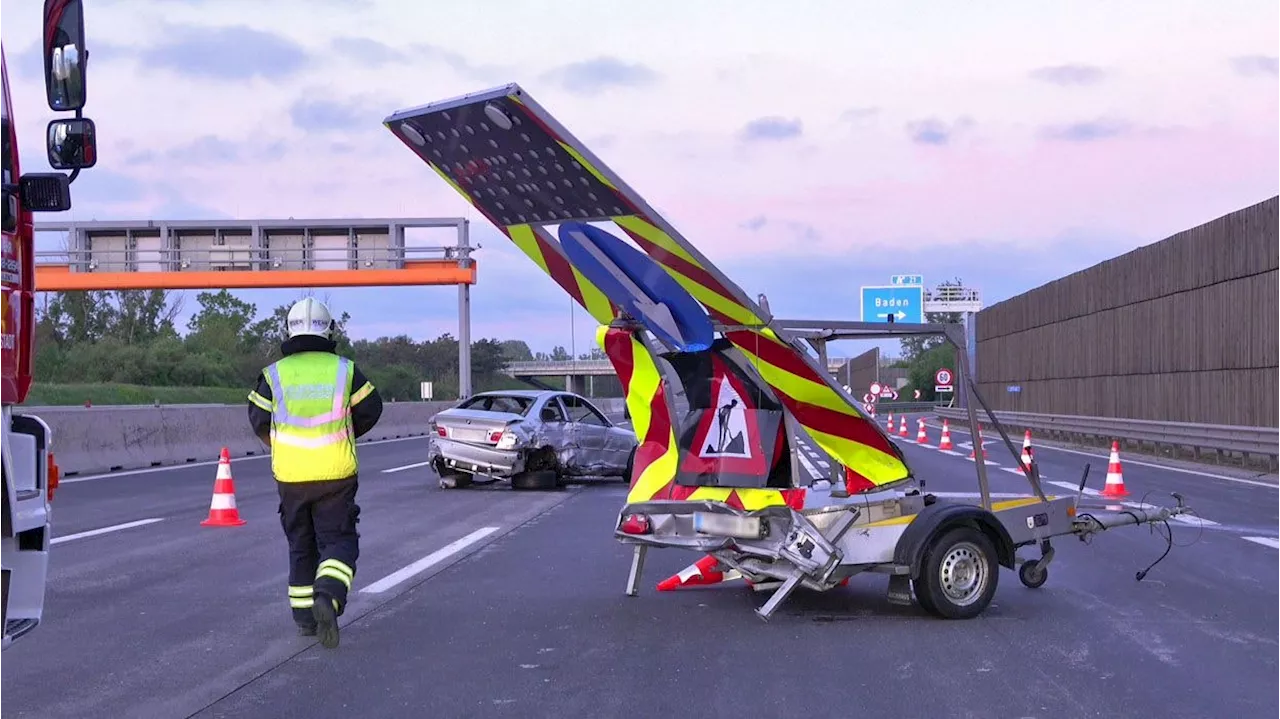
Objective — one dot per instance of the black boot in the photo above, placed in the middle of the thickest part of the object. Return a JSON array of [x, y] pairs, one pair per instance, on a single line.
[[326, 613]]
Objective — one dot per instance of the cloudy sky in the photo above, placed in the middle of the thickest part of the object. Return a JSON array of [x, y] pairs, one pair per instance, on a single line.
[[806, 147]]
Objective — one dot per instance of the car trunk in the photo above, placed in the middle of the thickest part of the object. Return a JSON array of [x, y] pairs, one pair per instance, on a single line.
[[469, 425]]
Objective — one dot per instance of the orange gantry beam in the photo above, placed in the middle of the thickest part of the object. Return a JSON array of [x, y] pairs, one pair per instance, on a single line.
[[60, 278]]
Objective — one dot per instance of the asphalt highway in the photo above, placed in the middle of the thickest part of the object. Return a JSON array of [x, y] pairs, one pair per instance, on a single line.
[[493, 603]]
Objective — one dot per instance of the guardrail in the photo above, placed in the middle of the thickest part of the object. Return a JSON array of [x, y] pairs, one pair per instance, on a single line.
[[109, 438], [906, 407], [1219, 438]]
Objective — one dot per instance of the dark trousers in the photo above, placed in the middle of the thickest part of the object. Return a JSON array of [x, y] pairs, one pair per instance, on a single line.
[[319, 521]]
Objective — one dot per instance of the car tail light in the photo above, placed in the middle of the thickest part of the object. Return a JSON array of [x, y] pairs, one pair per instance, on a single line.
[[636, 524], [495, 436], [53, 475], [440, 431]]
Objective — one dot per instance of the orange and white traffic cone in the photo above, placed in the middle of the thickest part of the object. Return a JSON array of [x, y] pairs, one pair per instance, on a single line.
[[700, 572], [222, 508], [945, 442], [1026, 449], [891, 423], [1115, 475], [902, 427], [921, 436], [977, 442]]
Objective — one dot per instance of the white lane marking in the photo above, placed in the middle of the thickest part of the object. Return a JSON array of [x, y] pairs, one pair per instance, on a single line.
[[105, 530], [808, 466], [1198, 473], [1017, 471], [1265, 541], [210, 463], [428, 561], [406, 466], [1089, 491], [951, 452]]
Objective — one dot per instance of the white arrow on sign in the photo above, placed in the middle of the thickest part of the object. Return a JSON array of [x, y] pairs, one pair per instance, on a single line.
[[886, 315]]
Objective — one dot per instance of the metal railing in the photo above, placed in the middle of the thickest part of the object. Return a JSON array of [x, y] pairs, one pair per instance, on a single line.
[[244, 257], [1258, 441]]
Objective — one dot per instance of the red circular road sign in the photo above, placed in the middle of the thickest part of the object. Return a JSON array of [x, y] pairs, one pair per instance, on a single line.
[[943, 377], [875, 388]]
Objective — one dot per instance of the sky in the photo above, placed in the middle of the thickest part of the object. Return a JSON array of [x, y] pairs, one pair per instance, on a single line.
[[807, 148]]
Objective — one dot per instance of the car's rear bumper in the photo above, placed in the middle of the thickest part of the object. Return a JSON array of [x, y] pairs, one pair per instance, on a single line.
[[465, 457]]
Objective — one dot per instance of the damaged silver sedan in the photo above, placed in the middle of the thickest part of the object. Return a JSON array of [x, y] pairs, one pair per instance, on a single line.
[[535, 439]]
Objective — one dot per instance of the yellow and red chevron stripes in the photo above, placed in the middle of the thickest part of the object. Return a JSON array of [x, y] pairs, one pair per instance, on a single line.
[[654, 469], [833, 423], [546, 253]]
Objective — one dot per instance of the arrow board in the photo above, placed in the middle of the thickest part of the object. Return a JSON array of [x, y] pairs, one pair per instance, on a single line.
[[638, 285]]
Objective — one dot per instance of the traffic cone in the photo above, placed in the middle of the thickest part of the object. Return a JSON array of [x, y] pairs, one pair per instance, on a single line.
[[921, 437], [891, 423], [902, 427], [222, 508], [1026, 449], [700, 572], [977, 442], [945, 442], [1115, 476]]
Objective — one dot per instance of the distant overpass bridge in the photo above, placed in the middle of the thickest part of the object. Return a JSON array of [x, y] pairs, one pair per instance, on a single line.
[[587, 370]]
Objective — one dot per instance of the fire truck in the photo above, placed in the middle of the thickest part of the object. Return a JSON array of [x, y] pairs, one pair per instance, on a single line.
[[30, 472]]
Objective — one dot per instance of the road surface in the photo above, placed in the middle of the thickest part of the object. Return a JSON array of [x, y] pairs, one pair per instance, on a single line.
[[493, 603]]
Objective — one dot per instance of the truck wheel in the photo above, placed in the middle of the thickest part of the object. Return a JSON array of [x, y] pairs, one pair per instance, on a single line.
[[960, 574]]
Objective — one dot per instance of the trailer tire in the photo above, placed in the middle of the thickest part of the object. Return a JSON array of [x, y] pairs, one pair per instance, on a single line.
[[959, 575], [1030, 578]]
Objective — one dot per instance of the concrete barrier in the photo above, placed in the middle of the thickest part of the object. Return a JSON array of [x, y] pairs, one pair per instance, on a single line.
[[88, 440]]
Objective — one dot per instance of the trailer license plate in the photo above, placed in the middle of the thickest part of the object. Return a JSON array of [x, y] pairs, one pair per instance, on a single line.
[[726, 525]]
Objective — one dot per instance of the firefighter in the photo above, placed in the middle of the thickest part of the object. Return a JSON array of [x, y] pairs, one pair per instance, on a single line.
[[309, 407]]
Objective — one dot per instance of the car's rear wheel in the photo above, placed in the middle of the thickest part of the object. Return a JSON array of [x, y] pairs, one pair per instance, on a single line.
[[631, 463], [541, 471]]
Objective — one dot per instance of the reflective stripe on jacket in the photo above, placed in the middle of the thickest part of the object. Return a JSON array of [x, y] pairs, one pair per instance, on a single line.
[[312, 438]]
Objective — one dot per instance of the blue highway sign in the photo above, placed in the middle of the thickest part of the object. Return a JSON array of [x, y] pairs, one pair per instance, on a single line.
[[904, 302], [906, 280]]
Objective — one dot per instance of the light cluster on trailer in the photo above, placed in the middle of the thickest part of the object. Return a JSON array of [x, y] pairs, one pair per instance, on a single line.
[[510, 165]]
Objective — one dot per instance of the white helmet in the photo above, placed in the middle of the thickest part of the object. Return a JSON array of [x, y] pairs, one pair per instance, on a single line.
[[309, 316]]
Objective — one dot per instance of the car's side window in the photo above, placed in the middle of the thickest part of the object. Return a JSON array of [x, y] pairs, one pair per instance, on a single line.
[[582, 412], [551, 411]]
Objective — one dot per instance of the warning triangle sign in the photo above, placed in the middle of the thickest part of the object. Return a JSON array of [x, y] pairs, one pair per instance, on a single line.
[[727, 437]]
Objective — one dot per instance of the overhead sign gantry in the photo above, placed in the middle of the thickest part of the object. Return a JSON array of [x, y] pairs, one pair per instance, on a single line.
[[262, 254]]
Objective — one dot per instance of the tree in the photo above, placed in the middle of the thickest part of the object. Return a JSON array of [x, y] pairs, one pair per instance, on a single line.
[[516, 351], [914, 347], [560, 354]]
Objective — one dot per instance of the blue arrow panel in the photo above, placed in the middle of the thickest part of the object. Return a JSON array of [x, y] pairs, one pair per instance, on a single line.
[[905, 303]]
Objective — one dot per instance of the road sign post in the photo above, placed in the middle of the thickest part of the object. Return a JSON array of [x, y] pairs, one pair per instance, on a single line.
[[904, 303]]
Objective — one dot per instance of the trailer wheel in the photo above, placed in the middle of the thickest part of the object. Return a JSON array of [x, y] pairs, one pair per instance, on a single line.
[[1030, 578], [960, 574]]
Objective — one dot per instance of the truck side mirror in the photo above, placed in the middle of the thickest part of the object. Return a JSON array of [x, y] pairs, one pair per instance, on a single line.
[[64, 54], [72, 144]]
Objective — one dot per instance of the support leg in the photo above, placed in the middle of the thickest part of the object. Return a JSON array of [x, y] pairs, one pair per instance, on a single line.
[[779, 596], [637, 566]]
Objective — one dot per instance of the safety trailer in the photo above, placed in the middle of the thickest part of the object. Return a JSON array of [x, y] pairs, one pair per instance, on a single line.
[[719, 391]]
